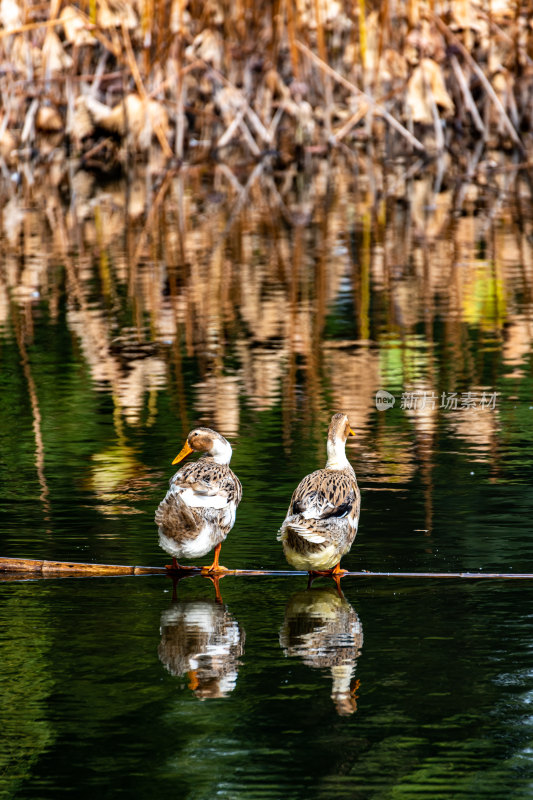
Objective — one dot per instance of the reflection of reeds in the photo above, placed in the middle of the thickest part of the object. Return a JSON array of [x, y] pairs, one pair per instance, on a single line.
[[301, 289], [36, 413]]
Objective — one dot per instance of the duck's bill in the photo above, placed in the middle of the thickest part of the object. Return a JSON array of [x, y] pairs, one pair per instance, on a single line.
[[352, 432], [185, 450]]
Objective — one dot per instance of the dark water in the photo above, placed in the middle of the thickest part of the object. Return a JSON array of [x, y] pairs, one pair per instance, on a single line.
[[111, 350]]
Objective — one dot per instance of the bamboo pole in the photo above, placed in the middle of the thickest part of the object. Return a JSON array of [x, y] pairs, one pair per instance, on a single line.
[[37, 567], [41, 567]]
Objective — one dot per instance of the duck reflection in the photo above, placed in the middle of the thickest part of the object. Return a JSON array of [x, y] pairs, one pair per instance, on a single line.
[[322, 629], [202, 639]]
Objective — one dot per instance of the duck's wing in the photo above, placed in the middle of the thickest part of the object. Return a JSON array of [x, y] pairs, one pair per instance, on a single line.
[[326, 495], [206, 484], [323, 505]]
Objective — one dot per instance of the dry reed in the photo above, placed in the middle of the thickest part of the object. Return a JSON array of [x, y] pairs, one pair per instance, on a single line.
[[191, 79]]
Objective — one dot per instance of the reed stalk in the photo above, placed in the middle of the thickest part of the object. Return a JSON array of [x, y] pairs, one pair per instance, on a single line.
[[36, 415], [511, 130], [362, 39], [291, 33], [352, 88]]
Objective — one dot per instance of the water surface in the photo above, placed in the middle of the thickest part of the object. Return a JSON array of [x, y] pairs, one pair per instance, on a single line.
[[261, 320]]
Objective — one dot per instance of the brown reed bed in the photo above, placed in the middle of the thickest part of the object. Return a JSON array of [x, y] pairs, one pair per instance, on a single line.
[[106, 82]]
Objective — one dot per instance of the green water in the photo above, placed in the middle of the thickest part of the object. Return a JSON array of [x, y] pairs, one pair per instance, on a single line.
[[443, 704], [404, 689]]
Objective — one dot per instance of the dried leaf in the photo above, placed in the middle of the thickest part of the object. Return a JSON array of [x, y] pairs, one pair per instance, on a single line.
[[501, 83], [464, 16], [115, 13], [110, 119], [209, 46], [49, 119], [7, 144], [12, 219], [10, 14], [82, 122], [393, 66], [331, 13], [55, 59], [22, 53], [135, 116], [229, 101], [180, 19], [425, 41], [502, 11], [75, 28], [213, 13], [426, 87]]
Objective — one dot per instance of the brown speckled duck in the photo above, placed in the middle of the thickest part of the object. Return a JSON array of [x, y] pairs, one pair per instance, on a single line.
[[323, 630], [199, 508], [202, 639], [322, 519]]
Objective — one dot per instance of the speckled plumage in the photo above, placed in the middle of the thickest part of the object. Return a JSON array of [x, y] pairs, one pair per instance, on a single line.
[[323, 630], [199, 508], [323, 515], [203, 639]]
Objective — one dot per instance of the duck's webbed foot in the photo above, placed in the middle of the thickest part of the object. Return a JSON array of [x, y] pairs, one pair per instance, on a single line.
[[215, 568], [176, 567], [336, 573]]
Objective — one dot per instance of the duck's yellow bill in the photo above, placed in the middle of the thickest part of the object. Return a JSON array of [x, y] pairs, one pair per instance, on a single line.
[[352, 432], [185, 450]]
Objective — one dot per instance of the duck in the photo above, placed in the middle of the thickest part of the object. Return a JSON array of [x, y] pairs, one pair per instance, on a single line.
[[200, 506], [323, 515], [202, 639], [323, 630]]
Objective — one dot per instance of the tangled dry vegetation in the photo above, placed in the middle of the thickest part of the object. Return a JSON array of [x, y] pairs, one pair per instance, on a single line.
[[107, 81]]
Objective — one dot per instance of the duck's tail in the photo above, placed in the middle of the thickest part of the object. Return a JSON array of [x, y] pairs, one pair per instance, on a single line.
[[306, 529]]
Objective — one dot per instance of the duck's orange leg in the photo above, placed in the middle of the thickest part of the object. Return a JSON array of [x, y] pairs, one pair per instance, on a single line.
[[336, 574], [338, 571], [215, 566], [215, 580]]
